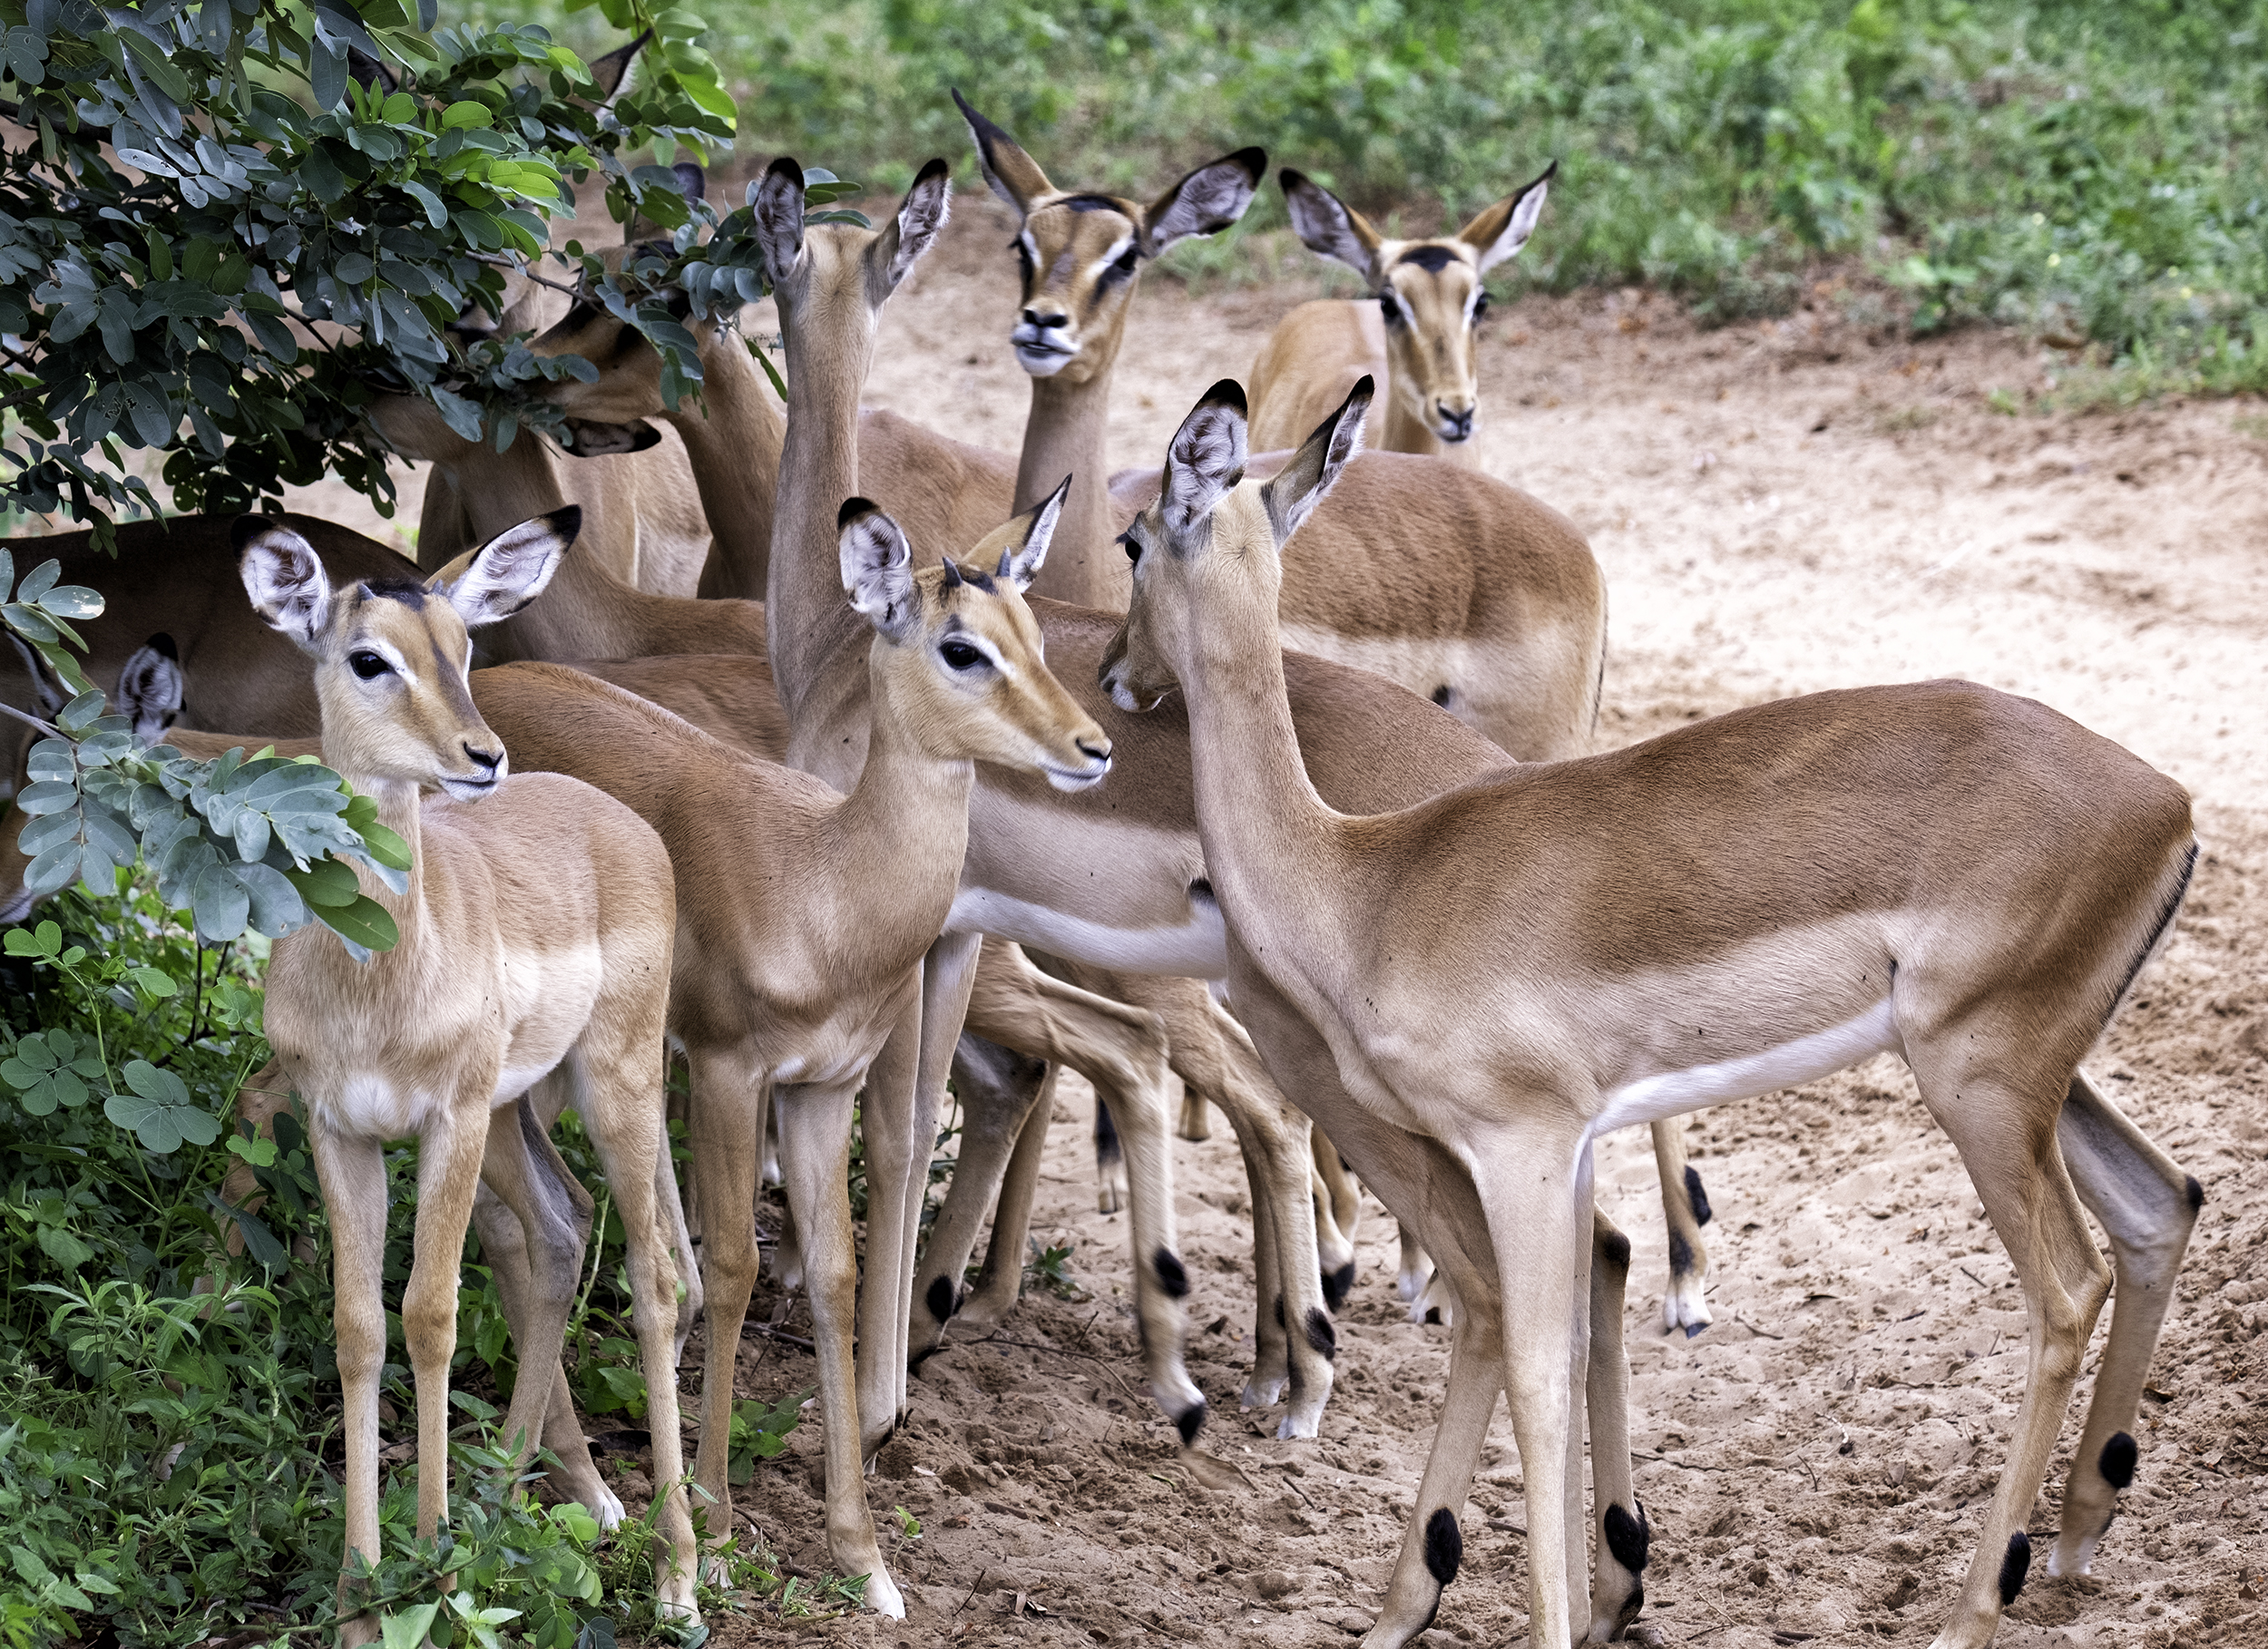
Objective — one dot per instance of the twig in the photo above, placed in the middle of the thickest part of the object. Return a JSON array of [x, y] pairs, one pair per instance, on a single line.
[[982, 1576], [1973, 1277], [31, 720], [1641, 1454], [768, 1332]]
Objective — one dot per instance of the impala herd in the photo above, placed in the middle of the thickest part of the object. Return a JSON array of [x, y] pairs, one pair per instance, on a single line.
[[839, 756]]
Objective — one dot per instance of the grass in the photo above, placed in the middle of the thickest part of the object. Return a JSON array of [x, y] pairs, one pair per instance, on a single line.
[[2090, 174]]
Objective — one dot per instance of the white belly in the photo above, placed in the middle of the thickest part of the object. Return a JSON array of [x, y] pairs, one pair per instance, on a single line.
[[1198, 949], [1652, 1097]]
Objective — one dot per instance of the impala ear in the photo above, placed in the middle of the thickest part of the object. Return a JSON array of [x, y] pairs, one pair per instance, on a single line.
[[285, 579], [776, 201], [1503, 229], [150, 688], [1300, 485], [1208, 200], [921, 219], [1327, 226], [511, 570], [1206, 457], [1021, 563], [610, 71], [1015, 176], [877, 568]]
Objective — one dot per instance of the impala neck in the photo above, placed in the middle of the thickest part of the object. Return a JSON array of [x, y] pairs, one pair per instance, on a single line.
[[1065, 435], [807, 617], [1408, 433], [735, 451], [907, 820], [1267, 835]]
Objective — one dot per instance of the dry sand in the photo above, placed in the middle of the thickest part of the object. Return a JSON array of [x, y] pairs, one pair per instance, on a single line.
[[1779, 508]]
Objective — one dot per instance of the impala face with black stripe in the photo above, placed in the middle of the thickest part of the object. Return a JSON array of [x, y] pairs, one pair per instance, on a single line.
[[1429, 294], [1080, 253]]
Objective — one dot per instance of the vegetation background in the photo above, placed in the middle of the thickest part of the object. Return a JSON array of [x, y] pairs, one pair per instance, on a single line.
[[2095, 174]]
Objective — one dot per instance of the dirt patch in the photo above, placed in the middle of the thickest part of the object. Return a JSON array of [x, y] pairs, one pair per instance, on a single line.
[[1780, 507]]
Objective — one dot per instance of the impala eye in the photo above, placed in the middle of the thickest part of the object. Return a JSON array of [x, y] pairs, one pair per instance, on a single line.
[[1125, 266], [1133, 546], [960, 655], [1480, 306], [368, 665], [1390, 308]]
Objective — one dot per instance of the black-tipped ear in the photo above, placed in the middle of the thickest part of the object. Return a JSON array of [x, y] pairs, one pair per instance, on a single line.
[[1013, 175], [1316, 468], [777, 202], [1021, 564], [693, 182], [921, 218], [1207, 201], [1501, 231], [285, 579], [878, 572], [1327, 226], [370, 71], [609, 71], [1206, 457], [853, 508], [490, 583]]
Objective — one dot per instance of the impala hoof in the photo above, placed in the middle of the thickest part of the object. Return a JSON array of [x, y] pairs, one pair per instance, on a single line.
[[1261, 1393]]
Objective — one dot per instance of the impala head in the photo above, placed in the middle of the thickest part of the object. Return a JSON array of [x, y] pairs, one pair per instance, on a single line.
[[1212, 543], [391, 655], [1082, 253], [1429, 291], [961, 657]]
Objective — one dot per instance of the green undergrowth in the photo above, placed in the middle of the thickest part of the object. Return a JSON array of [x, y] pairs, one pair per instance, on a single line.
[[169, 1409], [2087, 173]]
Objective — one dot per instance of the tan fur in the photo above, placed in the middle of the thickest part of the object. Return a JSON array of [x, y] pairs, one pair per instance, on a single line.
[[534, 932], [802, 918], [1414, 334], [1501, 968]]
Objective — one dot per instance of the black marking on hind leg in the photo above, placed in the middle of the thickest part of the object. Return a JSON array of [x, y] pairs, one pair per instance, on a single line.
[[2015, 1566], [1171, 1276], [1433, 1314], [1697, 1198], [940, 1300], [1321, 1335], [1107, 1147], [1444, 1545], [1440, 695], [1337, 1284], [2195, 1192], [2157, 929], [1626, 1536], [2117, 1462], [1680, 1254], [1616, 1247], [1189, 1423]]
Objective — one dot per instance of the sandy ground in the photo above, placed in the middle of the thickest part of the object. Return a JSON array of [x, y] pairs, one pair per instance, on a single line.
[[1779, 508]]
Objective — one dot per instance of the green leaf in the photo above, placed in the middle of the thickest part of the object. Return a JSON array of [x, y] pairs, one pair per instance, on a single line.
[[158, 1108], [219, 903], [260, 1153], [156, 983], [407, 1629], [457, 116], [365, 921], [327, 884], [63, 1248], [386, 847]]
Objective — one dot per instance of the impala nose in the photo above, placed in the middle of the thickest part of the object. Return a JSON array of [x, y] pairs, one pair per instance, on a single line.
[[1456, 424], [1032, 318], [1098, 750], [489, 759]]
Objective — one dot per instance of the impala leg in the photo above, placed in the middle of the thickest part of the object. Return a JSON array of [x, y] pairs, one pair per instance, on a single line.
[[1412, 1271], [726, 1085], [886, 1123], [815, 1127], [949, 972], [1618, 1584], [2005, 1130], [999, 1280], [1534, 1183], [998, 1088], [2149, 1206], [352, 1174], [678, 1233], [1110, 1187], [1197, 1118], [1685, 1210], [449, 1156], [1338, 1213], [534, 1222], [623, 1102], [1432, 1547]]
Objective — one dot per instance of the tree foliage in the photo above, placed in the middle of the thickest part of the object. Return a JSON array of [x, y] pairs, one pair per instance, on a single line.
[[217, 243]]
